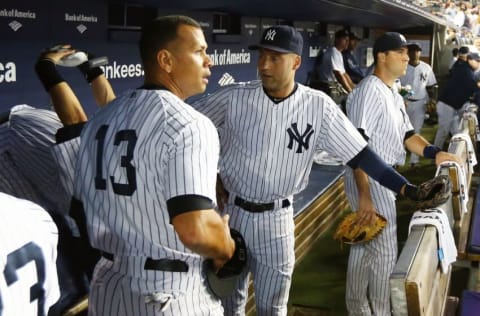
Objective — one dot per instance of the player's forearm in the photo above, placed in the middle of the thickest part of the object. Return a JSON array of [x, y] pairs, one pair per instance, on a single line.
[[363, 187], [102, 91], [205, 233], [66, 104], [416, 144]]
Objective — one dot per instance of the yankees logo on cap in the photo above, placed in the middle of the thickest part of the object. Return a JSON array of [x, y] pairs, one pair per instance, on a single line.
[[281, 38]]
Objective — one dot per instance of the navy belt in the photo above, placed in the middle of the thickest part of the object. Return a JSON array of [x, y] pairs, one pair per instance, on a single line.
[[170, 265], [258, 207], [414, 100]]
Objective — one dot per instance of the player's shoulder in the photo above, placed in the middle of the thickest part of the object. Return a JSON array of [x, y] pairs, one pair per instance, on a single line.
[[24, 214]]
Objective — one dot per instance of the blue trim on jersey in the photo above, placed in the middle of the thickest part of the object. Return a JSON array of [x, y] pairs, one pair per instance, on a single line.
[[376, 168], [69, 132], [187, 203]]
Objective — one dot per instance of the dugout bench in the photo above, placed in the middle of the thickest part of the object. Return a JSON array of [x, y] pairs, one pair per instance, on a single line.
[[418, 286]]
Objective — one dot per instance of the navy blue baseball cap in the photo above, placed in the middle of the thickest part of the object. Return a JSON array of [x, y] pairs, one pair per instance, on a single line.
[[389, 41], [282, 39]]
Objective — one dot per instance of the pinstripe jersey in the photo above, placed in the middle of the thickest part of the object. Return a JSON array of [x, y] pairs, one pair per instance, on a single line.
[[28, 252], [28, 138], [419, 77], [65, 157], [380, 112], [144, 148], [267, 148]]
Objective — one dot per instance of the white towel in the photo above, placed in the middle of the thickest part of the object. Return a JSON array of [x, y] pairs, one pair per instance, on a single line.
[[462, 181], [472, 159], [447, 250]]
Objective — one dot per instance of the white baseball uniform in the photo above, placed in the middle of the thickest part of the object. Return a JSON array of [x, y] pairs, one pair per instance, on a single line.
[[145, 148], [419, 77], [267, 149], [380, 112], [332, 61], [28, 251], [25, 150]]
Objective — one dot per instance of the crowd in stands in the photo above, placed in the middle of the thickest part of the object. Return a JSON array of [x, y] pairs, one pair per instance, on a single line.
[[462, 16]]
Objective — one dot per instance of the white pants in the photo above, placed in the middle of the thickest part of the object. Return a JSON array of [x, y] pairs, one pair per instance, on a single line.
[[121, 288], [448, 121], [416, 113], [371, 264], [269, 237]]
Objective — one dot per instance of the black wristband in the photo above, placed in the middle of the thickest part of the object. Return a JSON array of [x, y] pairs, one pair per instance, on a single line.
[[47, 73], [90, 74], [431, 151]]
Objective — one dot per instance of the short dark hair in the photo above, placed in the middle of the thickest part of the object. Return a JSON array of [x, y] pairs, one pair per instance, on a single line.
[[157, 33]]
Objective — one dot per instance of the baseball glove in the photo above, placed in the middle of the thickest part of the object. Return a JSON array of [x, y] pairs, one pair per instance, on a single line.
[[349, 232], [224, 281], [431, 106], [431, 193]]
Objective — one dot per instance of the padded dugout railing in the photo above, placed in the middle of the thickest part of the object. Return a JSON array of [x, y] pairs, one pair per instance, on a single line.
[[418, 286]]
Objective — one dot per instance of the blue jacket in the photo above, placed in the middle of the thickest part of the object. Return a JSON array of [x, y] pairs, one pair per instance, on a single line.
[[461, 85]]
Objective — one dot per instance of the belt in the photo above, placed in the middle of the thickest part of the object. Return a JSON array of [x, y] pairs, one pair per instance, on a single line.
[[414, 100], [258, 207], [170, 265]]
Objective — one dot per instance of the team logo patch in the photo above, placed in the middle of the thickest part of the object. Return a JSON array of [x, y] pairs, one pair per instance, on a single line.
[[303, 140], [270, 35]]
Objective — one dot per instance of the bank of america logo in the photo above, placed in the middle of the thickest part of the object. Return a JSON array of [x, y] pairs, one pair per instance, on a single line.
[[15, 25], [226, 79], [81, 28]]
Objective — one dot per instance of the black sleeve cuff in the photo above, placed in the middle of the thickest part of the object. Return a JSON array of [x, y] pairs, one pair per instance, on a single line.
[[408, 134], [187, 203], [362, 132], [69, 132]]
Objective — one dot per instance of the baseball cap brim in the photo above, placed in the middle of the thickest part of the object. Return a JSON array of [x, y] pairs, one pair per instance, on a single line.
[[271, 47]]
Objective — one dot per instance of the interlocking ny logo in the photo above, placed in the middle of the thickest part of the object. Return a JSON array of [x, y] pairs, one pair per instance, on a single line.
[[302, 139], [423, 77], [270, 35]]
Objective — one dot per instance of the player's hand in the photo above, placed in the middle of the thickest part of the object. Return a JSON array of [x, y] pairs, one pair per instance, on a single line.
[[366, 211], [446, 156], [61, 52], [230, 244]]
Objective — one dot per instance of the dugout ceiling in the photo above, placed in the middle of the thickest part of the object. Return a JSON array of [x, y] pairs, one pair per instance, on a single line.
[[393, 14]]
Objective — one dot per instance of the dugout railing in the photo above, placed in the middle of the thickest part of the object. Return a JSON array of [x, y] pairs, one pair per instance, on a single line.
[[418, 285]]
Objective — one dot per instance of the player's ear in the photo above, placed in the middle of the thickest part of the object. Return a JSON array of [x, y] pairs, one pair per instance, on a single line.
[[381, 56], [164, 60], [297, 62]]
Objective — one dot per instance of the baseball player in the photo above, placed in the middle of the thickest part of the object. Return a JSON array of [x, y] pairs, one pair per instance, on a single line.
[[332, 69], [146, 178], [76, 258], [378, 112], [28, 251], [421, 78], [270, 131], [460, 87]]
